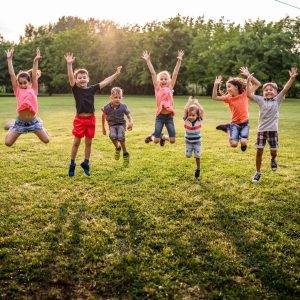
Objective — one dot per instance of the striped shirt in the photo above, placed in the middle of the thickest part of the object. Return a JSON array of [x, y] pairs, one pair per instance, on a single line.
[[192, 130]]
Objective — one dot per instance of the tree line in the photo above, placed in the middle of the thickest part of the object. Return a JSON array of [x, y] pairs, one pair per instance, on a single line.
[[269, 49]]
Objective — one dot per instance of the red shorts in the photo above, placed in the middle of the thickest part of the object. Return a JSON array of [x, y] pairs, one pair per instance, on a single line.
[[84, 126]]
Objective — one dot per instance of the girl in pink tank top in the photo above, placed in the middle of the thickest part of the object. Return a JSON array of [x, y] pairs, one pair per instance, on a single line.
[[163, 86], [25, 87]]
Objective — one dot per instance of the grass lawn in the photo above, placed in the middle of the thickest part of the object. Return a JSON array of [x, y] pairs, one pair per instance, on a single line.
[[148, 230]]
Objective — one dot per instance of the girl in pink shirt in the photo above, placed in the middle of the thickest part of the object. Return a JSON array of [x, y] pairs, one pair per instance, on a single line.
[[25, 86], [163, 86]]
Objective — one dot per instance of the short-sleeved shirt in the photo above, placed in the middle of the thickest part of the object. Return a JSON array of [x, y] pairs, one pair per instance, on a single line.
[[238, 106], [268, 112], [192, 130], [85, 98], [115, 115], [27, 100]]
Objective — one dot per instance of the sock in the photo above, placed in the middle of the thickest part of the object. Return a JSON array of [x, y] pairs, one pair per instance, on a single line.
[[86, 162], [72, 162]]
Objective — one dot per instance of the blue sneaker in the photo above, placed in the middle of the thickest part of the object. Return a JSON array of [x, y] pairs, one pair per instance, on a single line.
[[72, 170], [86, 168]]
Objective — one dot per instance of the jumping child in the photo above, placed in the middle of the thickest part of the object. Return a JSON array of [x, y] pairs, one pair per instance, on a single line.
[[193, 117], [84, 121], [163, 86], [25, 87], [236, 98], [267, 130], [114, 113]]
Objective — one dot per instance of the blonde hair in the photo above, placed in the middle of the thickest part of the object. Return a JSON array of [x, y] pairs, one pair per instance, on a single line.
[[272, 84], [160, 74], [80, 71], [117, 90]]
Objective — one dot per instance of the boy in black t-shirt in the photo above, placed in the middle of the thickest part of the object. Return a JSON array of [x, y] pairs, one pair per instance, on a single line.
[[84, 121]]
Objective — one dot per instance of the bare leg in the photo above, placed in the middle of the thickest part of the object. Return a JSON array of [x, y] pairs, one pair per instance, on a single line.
[[259, 154], [198, 163], [11, 137], [244, 142], [273, 154], [42, 135], [75, 147], [88, 148], [122, 143], [116, 143]]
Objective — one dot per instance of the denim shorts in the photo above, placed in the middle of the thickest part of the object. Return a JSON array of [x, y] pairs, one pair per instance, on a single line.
[[192, 147], [162, 120], [239, 131], [117, 132], [33, 125]]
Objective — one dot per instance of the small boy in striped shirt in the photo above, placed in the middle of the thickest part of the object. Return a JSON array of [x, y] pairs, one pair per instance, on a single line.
[[193, 116]]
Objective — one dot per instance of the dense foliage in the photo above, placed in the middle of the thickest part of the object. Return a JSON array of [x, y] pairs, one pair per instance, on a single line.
[[212, 47]]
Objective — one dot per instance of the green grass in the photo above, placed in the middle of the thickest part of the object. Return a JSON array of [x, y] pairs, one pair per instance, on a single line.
[[148, 230]]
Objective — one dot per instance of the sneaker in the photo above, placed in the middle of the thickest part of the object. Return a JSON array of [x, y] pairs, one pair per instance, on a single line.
[[223, 127], [273, 165], [117, 153], [86, 168], [256, 177], [71, 172], [126, 155], [197, 173], [148, 139], [162, 141], [243, 148]]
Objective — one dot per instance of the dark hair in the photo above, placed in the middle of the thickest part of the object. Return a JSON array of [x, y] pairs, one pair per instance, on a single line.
[[195, 109], [238, 83], [25, 75]]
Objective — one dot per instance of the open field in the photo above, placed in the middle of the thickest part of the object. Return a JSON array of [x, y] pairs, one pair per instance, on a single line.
[[148, 230]]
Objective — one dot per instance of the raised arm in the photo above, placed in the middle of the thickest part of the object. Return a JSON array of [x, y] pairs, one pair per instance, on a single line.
[[177, 67], [146, 57], [13, 78], [249, 87], [35, 67], [70, 59], [293, 74], [254, 84], [217, 82], [111, 78]]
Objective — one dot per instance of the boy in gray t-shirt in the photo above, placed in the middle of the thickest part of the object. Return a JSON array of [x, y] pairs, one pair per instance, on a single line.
[[268, 119], [114, 113]]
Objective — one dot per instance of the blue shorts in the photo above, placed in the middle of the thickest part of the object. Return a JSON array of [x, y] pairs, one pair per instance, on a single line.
[[192, 147], [239, 131], [33, 125], [117, 132], [166, 120]]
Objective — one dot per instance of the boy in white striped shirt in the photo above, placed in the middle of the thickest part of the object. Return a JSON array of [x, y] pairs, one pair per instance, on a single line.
[[193, 117]]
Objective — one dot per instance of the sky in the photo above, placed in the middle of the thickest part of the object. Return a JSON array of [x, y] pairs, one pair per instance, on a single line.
[[16, 14]]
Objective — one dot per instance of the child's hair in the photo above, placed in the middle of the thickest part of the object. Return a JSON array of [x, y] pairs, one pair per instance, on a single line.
[[28, 75], [117, 90], [194, 108], [239, 83], [272, 84], [163, 73], [80, 71]]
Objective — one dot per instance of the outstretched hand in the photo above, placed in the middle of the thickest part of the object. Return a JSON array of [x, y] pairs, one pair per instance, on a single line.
[[69, 57], [293, 72], [38, 55], [218, 79], [244, 72], [180, 54], [146, 55], [9, 53], [129, 127], [118, 70]]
